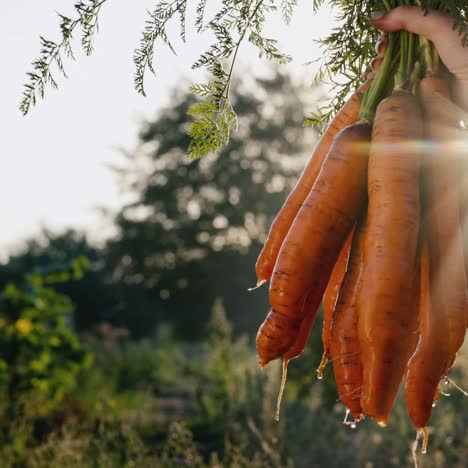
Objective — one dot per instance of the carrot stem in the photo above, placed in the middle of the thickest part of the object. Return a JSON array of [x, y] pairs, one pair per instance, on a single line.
[[410, 56], [377, 90], [400, 76], [426, 54]]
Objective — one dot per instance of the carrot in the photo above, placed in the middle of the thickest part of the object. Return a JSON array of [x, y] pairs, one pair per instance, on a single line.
[[348, 115], [463, 200], [306, 325], [311, 248], [464, 226], [466, 306], [443, 312], [344, 343], [329, 300], [386, 322], [284, 219], [424, 368], [304, 332]]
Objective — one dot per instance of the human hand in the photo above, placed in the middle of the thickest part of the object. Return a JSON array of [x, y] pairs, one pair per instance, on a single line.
[[374, 65], [437, 27]]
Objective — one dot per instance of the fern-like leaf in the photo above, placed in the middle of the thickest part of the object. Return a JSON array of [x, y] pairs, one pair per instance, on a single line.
[[52, 53], [155, 28]]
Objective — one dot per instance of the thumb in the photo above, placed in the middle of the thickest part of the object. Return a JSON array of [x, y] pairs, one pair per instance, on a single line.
[[436, 26]]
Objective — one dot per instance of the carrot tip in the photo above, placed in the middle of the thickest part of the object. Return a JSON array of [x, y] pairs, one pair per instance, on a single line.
[[263, 362]]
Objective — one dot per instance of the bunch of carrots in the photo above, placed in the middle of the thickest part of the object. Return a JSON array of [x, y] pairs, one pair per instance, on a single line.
[[373, 229]]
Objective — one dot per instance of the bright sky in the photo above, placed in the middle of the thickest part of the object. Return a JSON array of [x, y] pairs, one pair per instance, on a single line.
[[54, 160]]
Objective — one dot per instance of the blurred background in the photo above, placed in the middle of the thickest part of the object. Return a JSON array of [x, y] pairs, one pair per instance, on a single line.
[[126, 329]]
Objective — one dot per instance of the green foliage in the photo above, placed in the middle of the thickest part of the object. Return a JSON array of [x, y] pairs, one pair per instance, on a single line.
[[79, 443], [61, 259], [215, 117], [234, 22], [162, 402], [209, 405], [213, 124], [287, 8], [348, 50], [52, 53], [155, 28], [40, 355]]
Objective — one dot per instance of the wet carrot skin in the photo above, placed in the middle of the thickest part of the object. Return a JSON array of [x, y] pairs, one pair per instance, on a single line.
[[336, 279], [348, 115], [315, 239], [443, 213], [428, 363], [386, 322], [303, 336], [443, 315], [307, 323], [344, 340], [462, 162], [463, 198], [331, 295]]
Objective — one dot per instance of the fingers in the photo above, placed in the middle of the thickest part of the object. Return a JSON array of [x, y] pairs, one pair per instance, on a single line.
[[435, 26], [381, 45], [380, 49]]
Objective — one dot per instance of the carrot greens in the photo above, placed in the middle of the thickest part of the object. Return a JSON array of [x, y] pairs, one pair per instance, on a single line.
[[346, 52]]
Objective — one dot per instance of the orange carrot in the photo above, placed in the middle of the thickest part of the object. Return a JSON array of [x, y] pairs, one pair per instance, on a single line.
[[463, 190], [313, 243], [306, 325], [463, 200], [329, 300], [344, 344], [443, 315], [386, 320], [284, 219], [282, 223], [421, 382]]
